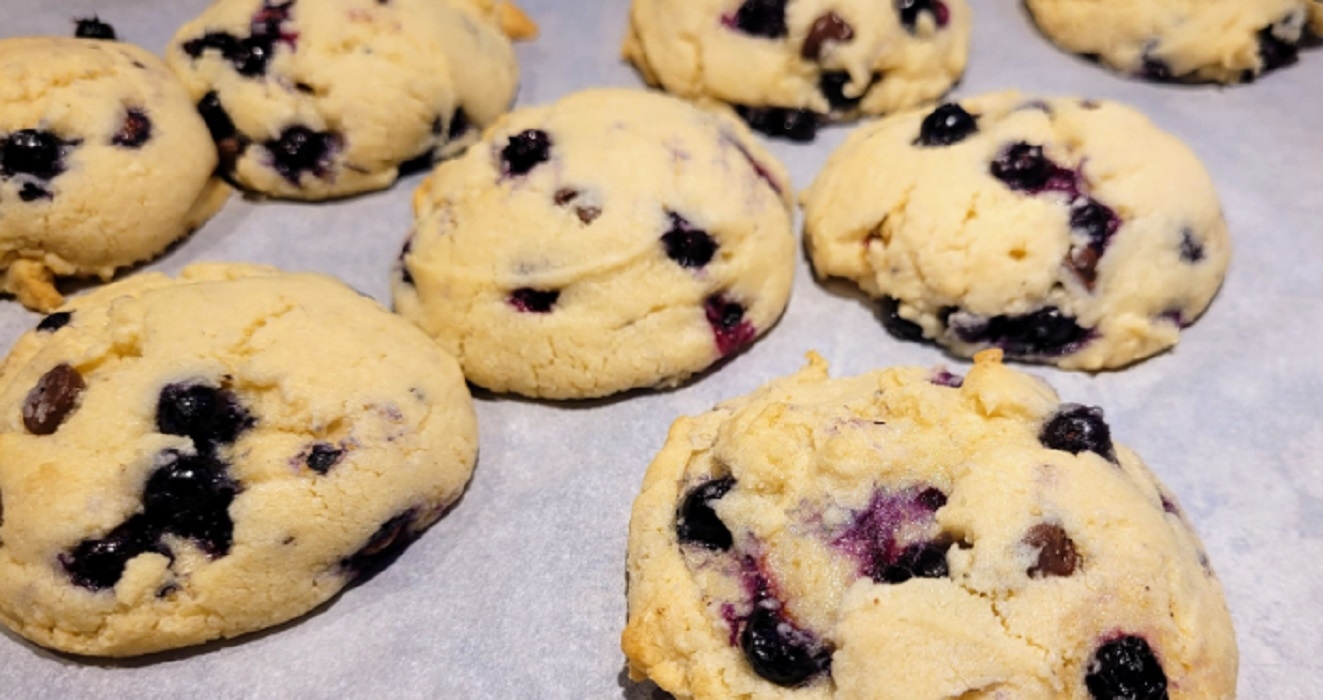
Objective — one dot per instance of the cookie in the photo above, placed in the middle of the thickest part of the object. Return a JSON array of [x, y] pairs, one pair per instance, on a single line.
[[615, 239], [912, 534], [184, 460], [103, 161], [1066, 231], [1220, 41], [789, 66], [314, 100]]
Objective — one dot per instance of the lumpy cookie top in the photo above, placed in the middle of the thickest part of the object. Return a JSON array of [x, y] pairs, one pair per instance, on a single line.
[[182, 460], [789, 65], [1060, 230], [612, 240], [103, 161], [908, 534], [310, 100], [1223, 41]]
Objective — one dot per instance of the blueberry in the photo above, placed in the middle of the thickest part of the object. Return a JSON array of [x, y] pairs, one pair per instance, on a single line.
[[1125, 669], [299, 150], [190, 496], [923, 560], [31, 192], [1155, 69], [1056, 551], [32, 152], [1095, 221], [538, 301], [947, 124], [459, 124], [1043, 333], [1075, 428], [52, 399], [728, 325], [686, 245], [207, 415], [1191, 251], [832, 85], [932, 498], [1275, 53], [98, 564], [909, 12], [382, 547], [828, 27], [778, 122], [780, 652], [1022, 167], [766, 18], [55, 321], [525, 150], [93, 28], [134, 131], [696, 522], [904, 329], [322, 457], [217, 119]]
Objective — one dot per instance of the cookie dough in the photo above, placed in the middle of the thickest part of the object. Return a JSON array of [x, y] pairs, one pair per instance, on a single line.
[[1221, 41], [1065, 231], [910, 534], [615, 239], [790, 65], [184, 460], [314, 100], [103, 162]]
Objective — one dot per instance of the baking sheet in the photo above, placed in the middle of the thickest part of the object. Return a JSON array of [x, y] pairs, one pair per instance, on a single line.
[[519, 592]]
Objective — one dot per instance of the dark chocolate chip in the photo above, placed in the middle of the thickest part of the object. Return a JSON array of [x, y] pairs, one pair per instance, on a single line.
[[55, 321], [134, 131], [828, 27], [51, 401], [93, 28], [1056, 551]]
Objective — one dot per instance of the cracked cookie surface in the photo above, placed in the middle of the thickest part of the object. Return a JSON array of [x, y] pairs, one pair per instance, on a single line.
[[313, 100], [1065, 231], [910, 534], [614, 239], [195, 458], [1222, 41], [790, 65], [103, 162]]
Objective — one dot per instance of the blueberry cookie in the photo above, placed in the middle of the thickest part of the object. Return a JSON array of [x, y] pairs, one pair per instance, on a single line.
[[183, 460], [916, 535], [612, 240], [1222, 41], [788, 66], [1065, 231], [313, 100], [103, 161]]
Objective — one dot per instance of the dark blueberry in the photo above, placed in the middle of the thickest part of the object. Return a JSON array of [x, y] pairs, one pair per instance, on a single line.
[[525, 150], [932, 498], [1191, 251], [1275, 53], [382, 547], [299, 150], [190, 496], [1155, 69], [459, 124], [1125, 669], [832, 85], [208, 415], [946, 379], [924, 560], [828, 27], [53, 398], [779, 651], [686, 245], [696, 522], [405, 275], [217, 119], [322, 457], [55, 321], [538, 301], [889, 309], [93, 28], [1043, 333], [1023, 167], [31, 192], [909, 12], [778, 122], [98, 564], [267, 21], [1056, 551], [32, 152], [1075, 428], [947, 124], [728, 325], [248, 56], [1095, 221], [765, 18], [135, 130]]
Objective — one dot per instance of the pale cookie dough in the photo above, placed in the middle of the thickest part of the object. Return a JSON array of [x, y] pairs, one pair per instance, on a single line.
[[905, 534], [1065, 231], [103, 162], [1222, 41], [612, 240], [789, 66], [184, 460], [314, 100]]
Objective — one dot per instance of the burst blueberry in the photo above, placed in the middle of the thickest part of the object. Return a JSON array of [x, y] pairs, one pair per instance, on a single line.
[[189, 496], [208, 415], [299, 150], [697, 523]]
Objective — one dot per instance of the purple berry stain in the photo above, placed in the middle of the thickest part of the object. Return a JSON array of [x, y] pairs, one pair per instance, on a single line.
[[536, 301], [758, 168], [1023, 167], [726, 317], [873, 538]]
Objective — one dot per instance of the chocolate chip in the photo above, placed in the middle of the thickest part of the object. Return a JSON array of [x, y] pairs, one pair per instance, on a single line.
[[828, 27], [1056, 552], [52, 400]]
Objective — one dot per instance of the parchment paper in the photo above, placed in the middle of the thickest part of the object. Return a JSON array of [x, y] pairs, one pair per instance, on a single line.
[[519, 591]]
